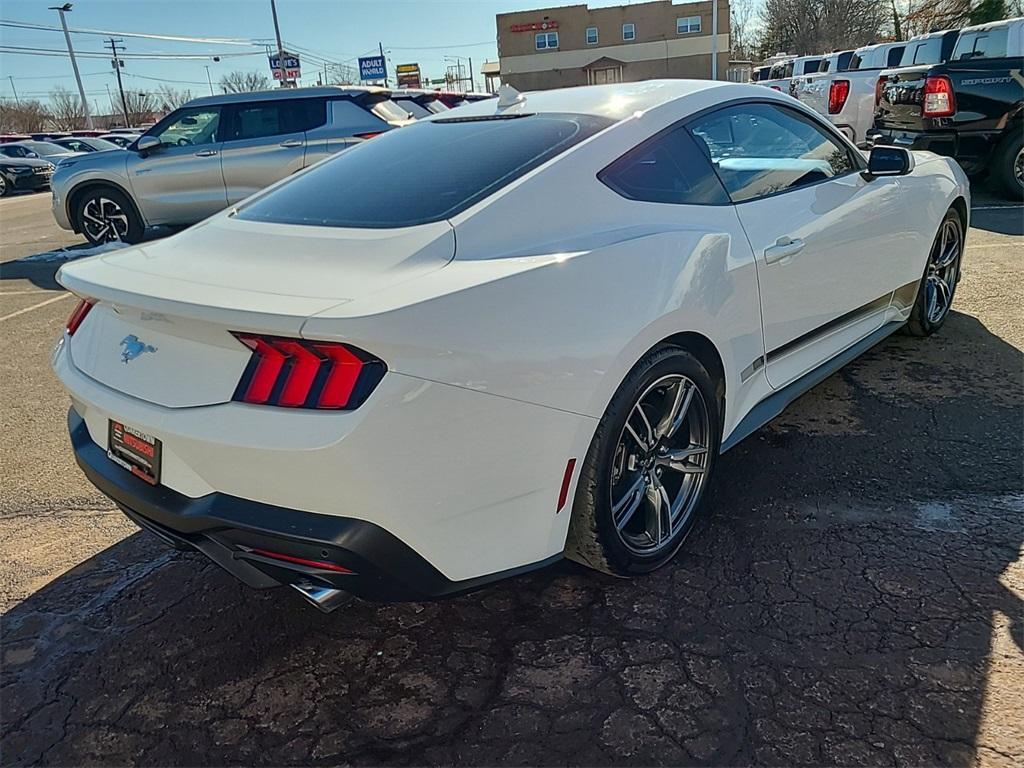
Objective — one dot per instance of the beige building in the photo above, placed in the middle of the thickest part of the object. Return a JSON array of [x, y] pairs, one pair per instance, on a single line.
[[577, 45]]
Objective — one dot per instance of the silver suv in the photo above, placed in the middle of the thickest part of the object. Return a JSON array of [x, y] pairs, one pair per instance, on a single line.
[[211, 153]]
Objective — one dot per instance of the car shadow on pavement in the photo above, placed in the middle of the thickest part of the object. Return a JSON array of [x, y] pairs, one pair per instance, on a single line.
[[1003, 220], [849, 599]]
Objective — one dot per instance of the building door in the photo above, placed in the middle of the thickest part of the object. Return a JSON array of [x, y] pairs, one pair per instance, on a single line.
[[604, 76]]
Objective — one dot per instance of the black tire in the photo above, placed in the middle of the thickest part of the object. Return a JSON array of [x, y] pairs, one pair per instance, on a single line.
[[5, 186], [1008, 164], [105, 214], [923, 321], [594, 539]]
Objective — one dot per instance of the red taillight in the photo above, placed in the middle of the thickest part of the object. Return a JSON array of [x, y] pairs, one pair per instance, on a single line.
[[938, 97], [838, 91], [368, 135], [79, 315], [322, 565], [295, 373], [879, 87]]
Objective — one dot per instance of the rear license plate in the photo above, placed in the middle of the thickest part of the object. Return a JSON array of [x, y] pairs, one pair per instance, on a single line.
[[136, 451]]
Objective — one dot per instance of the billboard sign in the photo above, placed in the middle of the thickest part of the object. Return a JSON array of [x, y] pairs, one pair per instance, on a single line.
[[292, 70], [373, 68], [408, 75]]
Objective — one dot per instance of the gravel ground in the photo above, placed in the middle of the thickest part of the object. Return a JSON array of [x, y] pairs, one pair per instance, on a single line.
[[855, 596]]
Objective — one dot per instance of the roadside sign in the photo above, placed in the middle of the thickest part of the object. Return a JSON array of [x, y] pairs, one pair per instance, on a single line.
[[408, 75], [292, 70], [373, 68]]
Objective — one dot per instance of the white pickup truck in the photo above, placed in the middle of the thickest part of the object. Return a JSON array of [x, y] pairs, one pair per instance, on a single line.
[[847, 97]]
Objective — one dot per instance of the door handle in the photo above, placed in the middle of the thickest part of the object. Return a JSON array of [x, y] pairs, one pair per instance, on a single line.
[[206, 153], [291, 143], [784, 248]]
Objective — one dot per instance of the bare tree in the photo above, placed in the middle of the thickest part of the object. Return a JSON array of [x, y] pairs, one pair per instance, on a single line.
[[66, 109], [742, 19], [169, 99], [242, 82], [139, 106], [23, 116], [818, 26], [948, 14]]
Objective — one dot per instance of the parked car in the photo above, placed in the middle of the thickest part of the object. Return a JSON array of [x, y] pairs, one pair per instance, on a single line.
[[23, 173], [375, 378], [847, 98], [93, 133], [932, 48], [800, 67], [45, 149], [86, 144], [123, 140], [418, 103], [778, 75], [211, 153], [7, 138], [970, 108], [452, 99], [813, 88], [760, 74], [837, 61]]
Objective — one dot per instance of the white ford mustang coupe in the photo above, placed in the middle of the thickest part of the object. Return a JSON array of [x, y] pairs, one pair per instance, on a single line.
[[517, 331]]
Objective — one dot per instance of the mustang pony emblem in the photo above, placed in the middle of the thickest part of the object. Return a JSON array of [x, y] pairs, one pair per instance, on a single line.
[[131, 348]]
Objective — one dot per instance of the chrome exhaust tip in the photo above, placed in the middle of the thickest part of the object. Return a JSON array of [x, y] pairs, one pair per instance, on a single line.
[[324, 598]]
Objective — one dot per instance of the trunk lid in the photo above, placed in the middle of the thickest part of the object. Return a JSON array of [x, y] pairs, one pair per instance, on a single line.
[[161, 330]]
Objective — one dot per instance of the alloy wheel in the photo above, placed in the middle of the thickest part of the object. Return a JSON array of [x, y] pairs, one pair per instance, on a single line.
[[104, 220], [943, 270], [1018, 167], [659, 465], [3, 185]]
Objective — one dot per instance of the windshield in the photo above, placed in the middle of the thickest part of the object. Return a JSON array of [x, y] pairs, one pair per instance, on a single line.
[[102, 144], [45, 148], [412, 107], [425, 172]]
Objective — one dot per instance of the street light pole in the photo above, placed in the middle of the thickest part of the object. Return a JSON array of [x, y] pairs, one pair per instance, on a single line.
[[714, 39], [11, 78], [62, 9], [209, 79]]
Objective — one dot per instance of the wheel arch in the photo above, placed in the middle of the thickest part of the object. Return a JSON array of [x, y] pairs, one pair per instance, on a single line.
[[71, 202], [960, 206]]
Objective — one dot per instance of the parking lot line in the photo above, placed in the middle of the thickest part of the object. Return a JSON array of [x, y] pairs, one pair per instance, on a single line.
[[34, 306]]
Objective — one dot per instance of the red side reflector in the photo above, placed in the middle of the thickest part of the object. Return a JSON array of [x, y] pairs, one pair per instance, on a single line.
[[368, 135], [775, 88], [79, 315], [563, 494], [301, 561], [838, 92]]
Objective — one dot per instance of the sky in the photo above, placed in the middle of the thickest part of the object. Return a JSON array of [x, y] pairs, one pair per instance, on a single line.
[[428, 32]]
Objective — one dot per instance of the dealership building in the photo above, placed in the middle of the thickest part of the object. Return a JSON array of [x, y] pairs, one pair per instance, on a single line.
[[578, 45]]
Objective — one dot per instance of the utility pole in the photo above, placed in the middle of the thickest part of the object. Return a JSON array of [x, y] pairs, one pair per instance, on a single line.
[[120, 86], [280, 48], [472, 83], [11, 78], [62, 9], [385, 63], [209, 79], [714, 39]]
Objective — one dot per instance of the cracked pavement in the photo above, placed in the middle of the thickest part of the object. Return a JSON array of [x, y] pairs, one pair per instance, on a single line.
[[854, 595]]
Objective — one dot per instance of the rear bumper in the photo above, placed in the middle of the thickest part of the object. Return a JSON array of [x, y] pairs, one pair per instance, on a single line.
[[970, 150], [228, 529]]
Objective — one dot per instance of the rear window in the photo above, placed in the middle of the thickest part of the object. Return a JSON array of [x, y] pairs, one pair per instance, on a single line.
[[982, 44], [413, 107], [388, 111], [811, 65], [922, 52], [425, 172]]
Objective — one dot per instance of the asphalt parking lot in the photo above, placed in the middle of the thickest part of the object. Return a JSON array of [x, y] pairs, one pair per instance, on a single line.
[[855, 596]]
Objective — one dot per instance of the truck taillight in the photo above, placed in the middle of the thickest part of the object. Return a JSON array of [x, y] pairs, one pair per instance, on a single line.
[[938, 97], [298, 373], [79, 315], [879, 87], [838, 92]]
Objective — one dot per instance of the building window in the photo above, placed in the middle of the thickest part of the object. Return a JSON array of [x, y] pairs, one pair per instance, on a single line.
[[546, 41], [687, 25], [628, 32], [591, 35]]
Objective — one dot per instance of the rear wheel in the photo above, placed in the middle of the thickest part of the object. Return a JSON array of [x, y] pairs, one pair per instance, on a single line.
[[4, 186], [1008, 165], [106, 215], [941, 275], [643, 480]]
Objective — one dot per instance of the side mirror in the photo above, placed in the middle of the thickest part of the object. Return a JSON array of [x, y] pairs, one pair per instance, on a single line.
[[889, 161], [147, 144]]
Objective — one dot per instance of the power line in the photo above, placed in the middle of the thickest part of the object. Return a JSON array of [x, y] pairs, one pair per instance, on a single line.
[[30, 51], [177, 38]]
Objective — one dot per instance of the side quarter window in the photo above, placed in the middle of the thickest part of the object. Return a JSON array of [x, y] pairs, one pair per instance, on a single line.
[[666, 168], [763, 149]]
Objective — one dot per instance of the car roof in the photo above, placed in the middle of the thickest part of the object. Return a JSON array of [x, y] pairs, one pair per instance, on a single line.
[[285, 93], [616, 101], [994, 24]]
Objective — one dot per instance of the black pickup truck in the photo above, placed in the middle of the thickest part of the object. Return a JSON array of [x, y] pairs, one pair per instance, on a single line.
[[970, 108]]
